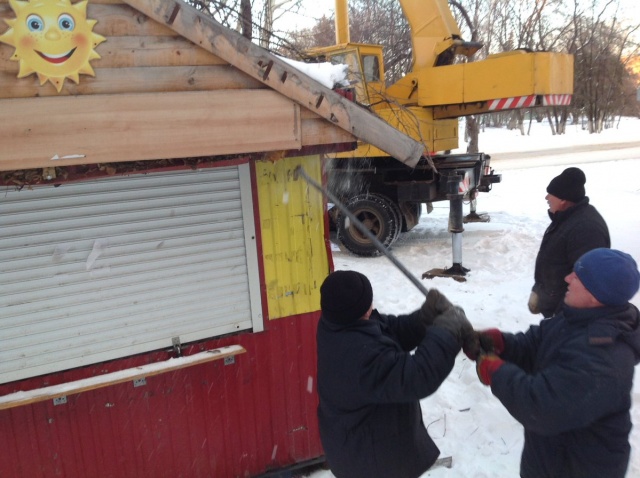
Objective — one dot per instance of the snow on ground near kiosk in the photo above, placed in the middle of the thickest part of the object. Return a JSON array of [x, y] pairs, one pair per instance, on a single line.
[[465, 420]]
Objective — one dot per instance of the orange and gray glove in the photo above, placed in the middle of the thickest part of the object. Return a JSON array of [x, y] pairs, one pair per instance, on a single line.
[[435, 305], [484, 341], [486, 366]]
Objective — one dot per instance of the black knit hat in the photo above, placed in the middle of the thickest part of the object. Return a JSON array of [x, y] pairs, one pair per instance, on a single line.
[[345, 296], [569, 185]]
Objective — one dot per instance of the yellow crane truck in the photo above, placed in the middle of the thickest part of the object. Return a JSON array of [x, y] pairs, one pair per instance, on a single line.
[[387, 195]]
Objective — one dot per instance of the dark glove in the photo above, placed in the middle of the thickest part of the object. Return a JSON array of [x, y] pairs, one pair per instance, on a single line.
[[455, 321], [471, 346], [486, 366], [435, 305], [491, 341], [534, 303]]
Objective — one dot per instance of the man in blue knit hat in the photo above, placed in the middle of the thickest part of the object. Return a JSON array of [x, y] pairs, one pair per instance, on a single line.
[[568, 380]]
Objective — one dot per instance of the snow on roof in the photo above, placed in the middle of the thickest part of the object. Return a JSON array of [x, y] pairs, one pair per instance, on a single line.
[[326, 73]]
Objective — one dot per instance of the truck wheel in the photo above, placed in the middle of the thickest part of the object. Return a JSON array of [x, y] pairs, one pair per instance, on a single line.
[[378, 214]]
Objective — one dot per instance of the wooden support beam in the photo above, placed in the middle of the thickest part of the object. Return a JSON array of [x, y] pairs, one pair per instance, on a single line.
[[258, 63], [62, 390]]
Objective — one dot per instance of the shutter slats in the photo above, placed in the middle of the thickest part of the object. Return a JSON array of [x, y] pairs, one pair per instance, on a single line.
[[125, 297], [121, 266], [17, 258], [103, 269]]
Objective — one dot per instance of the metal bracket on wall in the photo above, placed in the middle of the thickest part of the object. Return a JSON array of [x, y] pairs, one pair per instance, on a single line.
[[60, 400], [177, 346]]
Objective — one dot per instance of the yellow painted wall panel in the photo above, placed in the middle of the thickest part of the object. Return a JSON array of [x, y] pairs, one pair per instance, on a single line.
[[292, 228]]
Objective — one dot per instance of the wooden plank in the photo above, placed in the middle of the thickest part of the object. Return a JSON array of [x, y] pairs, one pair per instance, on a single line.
[[127, 52], [114, 128], [122, 20], [318, 131], [114, 19], [138, 51], [258, 63], [134, 80], [18, 399], [122, 52]]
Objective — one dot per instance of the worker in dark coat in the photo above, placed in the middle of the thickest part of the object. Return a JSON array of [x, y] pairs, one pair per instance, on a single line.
[[369, 384], [568, 380], [576, 227]]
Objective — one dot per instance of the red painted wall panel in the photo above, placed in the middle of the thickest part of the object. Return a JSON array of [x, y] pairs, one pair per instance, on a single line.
[[209, 420]]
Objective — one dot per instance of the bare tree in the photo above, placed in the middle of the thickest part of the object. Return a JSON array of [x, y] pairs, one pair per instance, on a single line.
[[601, 46], [589, 29], [381, 22]]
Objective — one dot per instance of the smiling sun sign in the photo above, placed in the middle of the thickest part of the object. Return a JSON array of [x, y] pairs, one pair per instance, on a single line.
[[53, 39]]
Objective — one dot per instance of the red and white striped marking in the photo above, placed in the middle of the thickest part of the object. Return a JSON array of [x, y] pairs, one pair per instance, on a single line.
[[528, 101], [556, 100], [512, 103]]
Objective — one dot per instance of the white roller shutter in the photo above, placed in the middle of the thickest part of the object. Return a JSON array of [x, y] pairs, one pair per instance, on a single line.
[[104, 269]]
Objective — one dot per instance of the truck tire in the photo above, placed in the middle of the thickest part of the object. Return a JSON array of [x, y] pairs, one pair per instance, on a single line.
[[379, 214]]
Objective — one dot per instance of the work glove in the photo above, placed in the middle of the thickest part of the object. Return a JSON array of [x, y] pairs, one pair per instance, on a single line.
[[486, 366], [534, 303], [471, 345], [491, 341], [435, 305], [455, 321]]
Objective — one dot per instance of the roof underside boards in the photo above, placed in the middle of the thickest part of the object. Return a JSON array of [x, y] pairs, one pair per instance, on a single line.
[[204, 31], [134, 127]]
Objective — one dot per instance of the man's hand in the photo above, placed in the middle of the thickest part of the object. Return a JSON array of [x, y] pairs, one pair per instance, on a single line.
[[486, 366], [435, 305], [455, 321], [471, 345]]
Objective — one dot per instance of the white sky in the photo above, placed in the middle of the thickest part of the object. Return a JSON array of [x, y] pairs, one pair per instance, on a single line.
[[313, 9], [463, 417]]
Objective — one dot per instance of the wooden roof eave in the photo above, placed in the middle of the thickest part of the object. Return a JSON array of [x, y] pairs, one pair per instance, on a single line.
[[204, 31]]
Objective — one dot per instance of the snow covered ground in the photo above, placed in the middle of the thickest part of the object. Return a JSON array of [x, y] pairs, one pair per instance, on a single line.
[[463, 417]]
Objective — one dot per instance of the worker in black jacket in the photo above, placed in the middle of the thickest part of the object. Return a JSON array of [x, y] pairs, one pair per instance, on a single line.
[[568, 381], [576, 227], [370, 384]]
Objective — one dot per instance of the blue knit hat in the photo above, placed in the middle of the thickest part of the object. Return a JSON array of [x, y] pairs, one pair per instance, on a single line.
[[611, 276], [345, 296]]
